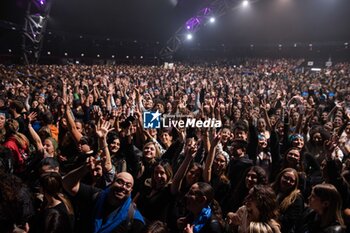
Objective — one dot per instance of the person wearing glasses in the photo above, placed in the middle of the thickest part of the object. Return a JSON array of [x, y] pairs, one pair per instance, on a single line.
[[103, 211]]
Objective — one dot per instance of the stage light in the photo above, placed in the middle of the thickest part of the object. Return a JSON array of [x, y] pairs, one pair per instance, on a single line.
[[66, 54], [76, 62], [245, 3], [295, 45], [113, 56], [81, 37], [212, 20], [82, 55], [48, 53], [141, 57], [189, 36], [42, 2], [10, 51], [188, 27], [98, 55], [127, 57], [13, 28]]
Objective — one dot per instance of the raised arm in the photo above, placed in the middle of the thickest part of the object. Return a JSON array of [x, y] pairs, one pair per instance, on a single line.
[[38, 143], [190, 153], [71, 181], [71, 125], [210, 158], [102, 129]]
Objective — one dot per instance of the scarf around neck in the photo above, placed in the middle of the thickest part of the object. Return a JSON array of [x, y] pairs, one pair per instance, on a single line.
[[115, 218], [202, 219]]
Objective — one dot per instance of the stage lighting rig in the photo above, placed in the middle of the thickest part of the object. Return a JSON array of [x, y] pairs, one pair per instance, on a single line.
[[35, 24]]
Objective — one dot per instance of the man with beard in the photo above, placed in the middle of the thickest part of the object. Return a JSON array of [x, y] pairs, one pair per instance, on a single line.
[[109, 210]]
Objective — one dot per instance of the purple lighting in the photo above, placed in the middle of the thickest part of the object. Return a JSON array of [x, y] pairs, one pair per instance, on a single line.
[[192, 23], [42, 2], [205, 11]]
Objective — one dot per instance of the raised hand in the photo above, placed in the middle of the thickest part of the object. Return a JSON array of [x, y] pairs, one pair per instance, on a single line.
[[103, 128], [188, 228], [181, 134], [216, 139], [111, 89], [191, 148], [32, 116]]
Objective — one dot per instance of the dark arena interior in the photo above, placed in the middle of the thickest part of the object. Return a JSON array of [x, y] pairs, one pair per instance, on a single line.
[[175, 116]]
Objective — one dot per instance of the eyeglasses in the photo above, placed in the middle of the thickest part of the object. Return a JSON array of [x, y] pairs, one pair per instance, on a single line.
[[122, 183]]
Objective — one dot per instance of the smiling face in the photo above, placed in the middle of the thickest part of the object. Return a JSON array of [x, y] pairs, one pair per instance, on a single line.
[[121, 188], [293, 156], [225, 135], [160, 177], [261, 125], [219, 164], [288, 181], [298, 142], [115, 145], [251, 179], [149, 151], [48, 147], [166, 139]]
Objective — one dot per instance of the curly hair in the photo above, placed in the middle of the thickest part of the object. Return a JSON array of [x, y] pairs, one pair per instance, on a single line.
[[265, 199]]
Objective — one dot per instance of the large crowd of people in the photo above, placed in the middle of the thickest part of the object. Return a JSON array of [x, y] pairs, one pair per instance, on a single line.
[[75, 155]]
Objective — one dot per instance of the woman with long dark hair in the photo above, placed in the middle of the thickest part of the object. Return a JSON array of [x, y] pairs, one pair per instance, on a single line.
[[235, 199], [156, 195], [204, 212], [57, 212]]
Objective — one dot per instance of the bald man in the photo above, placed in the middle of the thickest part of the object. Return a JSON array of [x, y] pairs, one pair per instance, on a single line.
[[103, 211]]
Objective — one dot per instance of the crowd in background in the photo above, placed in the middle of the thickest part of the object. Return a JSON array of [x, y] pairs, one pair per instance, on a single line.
[[75, 156]]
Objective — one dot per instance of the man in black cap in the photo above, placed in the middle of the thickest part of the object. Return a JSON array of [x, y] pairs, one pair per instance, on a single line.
[[239, 162]]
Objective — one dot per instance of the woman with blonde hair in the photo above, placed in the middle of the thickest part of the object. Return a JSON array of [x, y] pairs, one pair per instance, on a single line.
[[289, 198]]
